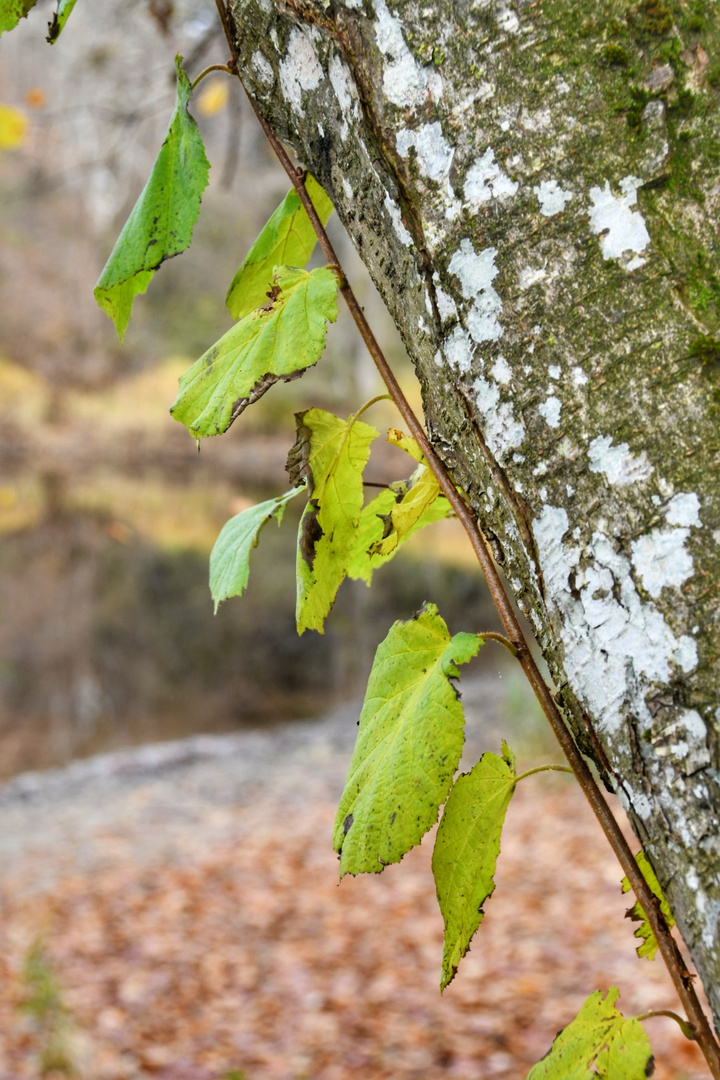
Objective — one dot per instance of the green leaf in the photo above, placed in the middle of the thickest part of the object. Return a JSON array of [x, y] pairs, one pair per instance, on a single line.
[[12, 11], [162, 220], [365, 556], [408, 746], [60, 17], [277, 341], [598, 1042], [230, 556], [466, 851], [332, 454], [287, 239], [648, 942]]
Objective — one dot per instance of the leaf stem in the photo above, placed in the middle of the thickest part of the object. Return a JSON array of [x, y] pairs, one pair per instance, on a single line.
[[543, 768], [490, 635], [208, 70], [687, 1029], [682, 979], [368, 404]]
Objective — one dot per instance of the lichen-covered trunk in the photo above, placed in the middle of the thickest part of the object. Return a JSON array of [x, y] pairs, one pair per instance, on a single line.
[[534, 188]]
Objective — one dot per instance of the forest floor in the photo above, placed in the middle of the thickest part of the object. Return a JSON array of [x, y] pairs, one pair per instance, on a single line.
[[180, 909]]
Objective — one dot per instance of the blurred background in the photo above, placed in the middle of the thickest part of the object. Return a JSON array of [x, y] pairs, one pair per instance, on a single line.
[[107, 511]]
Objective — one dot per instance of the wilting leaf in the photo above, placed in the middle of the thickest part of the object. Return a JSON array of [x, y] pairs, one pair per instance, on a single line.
[[162, 221], [277, 341], [230, 556], [406, 442], [375, 519], [333, 454], [13, 125], [287, 239], [467, 848], [60, 17], [408, 745], [12, 11], [599, 1042], [648, 942]]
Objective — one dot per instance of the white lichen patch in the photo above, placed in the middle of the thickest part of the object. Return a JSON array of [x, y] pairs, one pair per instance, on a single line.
[[503, 432], [618, 465], [345, 92], [552, 198], [262, 67], [434, 153], [550, 409], [530, 276], [405, 83], [615, 644], [685, 740], [459, 350], [396, 217], [447, 308], [508, 21], [661, 561], [485, 180], [300, 70], [501, 371], [476, 272], [622, 230], [347, 188], [683, 509]]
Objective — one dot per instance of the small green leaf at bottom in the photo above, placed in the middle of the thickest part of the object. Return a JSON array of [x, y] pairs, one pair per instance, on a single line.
[[599, 1042], [466, 851], [230, 557]]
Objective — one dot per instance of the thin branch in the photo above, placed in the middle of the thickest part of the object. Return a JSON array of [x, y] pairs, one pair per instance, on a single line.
[[669, 950]]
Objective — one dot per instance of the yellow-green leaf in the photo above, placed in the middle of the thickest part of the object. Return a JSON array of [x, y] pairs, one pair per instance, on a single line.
[[230, 556], [599, 1042], [406, 514], [333, 454], [466, 851], [648, 942], [276, 341], [12, 11], [375, 519], [162, 220], [287, 238], [408, 746]]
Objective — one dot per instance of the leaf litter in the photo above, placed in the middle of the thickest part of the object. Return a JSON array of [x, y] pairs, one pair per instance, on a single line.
[[192, 917]]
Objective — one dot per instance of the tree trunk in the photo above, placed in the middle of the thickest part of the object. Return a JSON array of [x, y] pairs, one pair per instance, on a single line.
[[533, 187]]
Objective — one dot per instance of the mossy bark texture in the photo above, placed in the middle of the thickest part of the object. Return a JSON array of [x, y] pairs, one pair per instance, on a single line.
[[534, 189]]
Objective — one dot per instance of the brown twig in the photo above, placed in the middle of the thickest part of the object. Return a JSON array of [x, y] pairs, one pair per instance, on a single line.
[[666, 942]]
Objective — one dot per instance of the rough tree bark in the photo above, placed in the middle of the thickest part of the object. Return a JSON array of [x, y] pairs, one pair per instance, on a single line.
[[533, 187]]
